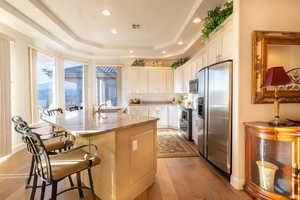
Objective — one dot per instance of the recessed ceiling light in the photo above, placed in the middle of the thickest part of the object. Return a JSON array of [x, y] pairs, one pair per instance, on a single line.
[[163, 52], [131, 51], [197, 20], [106, 12], [114, 31], [180, 43]]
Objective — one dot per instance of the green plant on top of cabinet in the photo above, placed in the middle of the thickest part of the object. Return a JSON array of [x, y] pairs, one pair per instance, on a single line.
[[216, 17], [179, 62]]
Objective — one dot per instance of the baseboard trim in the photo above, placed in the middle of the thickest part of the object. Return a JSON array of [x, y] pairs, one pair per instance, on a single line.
[[237, 183]]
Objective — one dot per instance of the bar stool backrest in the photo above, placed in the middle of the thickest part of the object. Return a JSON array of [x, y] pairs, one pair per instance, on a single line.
[[21, 126], [37, 148]]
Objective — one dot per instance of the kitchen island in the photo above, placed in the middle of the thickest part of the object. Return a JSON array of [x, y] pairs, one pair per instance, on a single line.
[[127, 149]]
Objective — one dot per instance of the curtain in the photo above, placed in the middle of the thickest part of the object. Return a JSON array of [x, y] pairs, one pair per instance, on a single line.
[[5, 98]]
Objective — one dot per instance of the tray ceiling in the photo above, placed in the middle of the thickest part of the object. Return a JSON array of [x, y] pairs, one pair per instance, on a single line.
[[80, 26]]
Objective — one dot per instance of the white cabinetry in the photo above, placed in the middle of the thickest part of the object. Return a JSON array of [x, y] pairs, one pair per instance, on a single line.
[[168, 114], [148, 80], [160, 112], [137, 81], [138, 110], [217, 47], [173, 116], [178, 80]]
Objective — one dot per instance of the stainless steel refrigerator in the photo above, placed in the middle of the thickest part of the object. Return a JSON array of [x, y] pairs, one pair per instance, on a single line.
[[214, 110]]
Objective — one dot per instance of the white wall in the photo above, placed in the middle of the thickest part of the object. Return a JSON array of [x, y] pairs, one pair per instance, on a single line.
[[273, 15]]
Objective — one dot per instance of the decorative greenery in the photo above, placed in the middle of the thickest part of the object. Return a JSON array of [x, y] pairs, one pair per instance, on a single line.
[[138, 62], [179, 62], [216, 17]]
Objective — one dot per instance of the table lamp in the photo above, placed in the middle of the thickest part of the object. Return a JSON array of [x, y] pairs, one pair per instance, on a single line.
[[276, 76]]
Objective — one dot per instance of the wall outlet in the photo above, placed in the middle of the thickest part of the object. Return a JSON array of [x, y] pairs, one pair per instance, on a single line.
[[134, 145]]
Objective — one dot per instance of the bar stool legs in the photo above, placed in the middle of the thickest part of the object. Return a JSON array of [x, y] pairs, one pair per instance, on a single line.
[[71, 181], [91, 183], [30, 173], [43, 190], [54, 190], [79, 185], [33, 187]]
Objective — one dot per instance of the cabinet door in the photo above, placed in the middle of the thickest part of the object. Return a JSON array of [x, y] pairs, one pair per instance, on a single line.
[[173, 116], [142, 82], [138, 110], [212, 51], [187, 78], [157, 82], [178, 80], [169, 79], [227, 43], [137, 81]]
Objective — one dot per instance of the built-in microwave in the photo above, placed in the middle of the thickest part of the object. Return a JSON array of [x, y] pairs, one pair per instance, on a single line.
[[193, 86]]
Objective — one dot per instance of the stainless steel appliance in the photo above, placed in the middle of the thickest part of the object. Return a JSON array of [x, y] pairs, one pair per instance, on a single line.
[[193, 86], [214, 111], [185, 123]]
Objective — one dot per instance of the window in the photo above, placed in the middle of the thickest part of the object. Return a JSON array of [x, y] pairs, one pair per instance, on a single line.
[[106, 78], [45, 81], [73, 83]]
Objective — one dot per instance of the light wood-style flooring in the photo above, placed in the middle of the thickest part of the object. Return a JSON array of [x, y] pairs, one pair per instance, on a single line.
[[177, 179]]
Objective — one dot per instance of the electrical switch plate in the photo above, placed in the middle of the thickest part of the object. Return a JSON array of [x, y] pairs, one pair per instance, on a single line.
[[134, 145]]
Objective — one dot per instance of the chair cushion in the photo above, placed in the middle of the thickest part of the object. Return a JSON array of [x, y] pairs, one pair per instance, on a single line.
[[68, 163], [56, 144]]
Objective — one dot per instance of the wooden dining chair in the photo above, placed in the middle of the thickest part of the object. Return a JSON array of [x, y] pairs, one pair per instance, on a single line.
[[53, 142], [54, 168]]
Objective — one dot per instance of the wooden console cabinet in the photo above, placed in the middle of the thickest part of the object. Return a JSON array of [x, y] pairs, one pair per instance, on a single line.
[[272, 161]]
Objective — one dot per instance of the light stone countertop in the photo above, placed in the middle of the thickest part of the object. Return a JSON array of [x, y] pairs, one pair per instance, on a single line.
[[85, 123]]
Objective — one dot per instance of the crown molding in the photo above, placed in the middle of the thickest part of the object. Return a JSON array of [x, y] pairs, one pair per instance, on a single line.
[[44, 9], [182, 28], [56, 20]]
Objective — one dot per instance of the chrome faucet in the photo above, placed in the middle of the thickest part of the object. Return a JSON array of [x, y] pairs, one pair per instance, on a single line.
[[101, 110]]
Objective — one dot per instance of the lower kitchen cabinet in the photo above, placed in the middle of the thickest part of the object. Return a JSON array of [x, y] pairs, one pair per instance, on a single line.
[[173, 116], [168, 114]]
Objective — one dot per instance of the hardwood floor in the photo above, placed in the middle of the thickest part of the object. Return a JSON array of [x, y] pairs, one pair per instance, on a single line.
[[177, 179]]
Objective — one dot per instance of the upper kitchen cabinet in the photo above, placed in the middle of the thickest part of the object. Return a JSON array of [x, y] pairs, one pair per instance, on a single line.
[[156, 81], [178, 80], [169, 81], [137, 81], [160, 81], [148, 80]]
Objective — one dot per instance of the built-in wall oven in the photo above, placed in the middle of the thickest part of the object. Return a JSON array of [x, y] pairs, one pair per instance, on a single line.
[[185, 123]]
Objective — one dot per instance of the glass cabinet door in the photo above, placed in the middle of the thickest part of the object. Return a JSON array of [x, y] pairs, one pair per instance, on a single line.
[[272, 164]]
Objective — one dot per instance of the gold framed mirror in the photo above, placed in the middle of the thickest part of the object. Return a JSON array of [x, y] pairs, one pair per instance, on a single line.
[[270, 49]]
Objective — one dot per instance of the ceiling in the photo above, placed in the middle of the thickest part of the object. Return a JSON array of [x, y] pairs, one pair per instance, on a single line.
[[80, 27]]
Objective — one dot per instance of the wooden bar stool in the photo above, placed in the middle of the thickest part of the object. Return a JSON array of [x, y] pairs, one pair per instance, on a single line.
[[52, 169]]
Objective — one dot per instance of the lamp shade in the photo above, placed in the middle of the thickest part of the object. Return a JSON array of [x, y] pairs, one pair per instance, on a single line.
[[276, 76]]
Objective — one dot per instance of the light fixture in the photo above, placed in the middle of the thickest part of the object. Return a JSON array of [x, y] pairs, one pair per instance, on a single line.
[[180, 43], [114, 31], [197, 20], [131, 51], [163, 52], [106, 12]]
